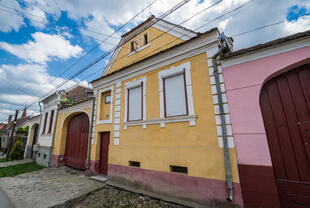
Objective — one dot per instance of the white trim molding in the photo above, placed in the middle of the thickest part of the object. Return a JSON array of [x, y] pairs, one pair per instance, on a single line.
[[173, 71], [190, 118], [133, 84], [105, 121]]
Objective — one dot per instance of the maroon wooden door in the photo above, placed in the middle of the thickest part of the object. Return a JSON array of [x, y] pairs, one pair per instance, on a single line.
[[34, 140], [77, 141], [285, 104], [104, 152]]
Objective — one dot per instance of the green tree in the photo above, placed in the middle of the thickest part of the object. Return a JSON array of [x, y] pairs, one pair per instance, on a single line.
[[16, 153]]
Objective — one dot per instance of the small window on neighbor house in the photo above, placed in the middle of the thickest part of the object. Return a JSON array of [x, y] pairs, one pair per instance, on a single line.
[[135, 106], [134, 164], [178, 169], [44, 156], [51, 122], [105, 104], [175, 101], [45, 121], [145, 39], [39, 154]]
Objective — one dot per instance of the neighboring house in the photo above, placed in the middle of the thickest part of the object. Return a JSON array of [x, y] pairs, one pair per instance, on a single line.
[[49, 107], [32, 137], [73, 131], [48, 119], [268, 91], [157, 120], [5, 132]]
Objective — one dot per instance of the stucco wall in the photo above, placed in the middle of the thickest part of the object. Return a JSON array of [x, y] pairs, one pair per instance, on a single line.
[[243, 85], [195, 147]]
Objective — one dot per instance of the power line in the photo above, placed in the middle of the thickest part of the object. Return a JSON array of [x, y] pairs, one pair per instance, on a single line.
[[97, 45], [106, 54], [231, 11], [101, 57], [265, 26], [16, 85], [58, 22], [50, 26]]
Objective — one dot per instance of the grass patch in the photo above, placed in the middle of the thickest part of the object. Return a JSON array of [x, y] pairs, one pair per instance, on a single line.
[[2, 160], [14, 170]]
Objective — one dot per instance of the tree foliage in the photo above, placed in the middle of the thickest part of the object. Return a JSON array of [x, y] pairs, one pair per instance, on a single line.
[[16, 153]]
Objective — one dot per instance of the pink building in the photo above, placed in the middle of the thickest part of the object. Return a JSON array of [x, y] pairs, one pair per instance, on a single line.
[[268, 92]]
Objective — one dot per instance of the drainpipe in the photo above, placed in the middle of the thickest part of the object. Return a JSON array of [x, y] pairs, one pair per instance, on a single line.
[[222, 48], [90, 133], [54, 130]]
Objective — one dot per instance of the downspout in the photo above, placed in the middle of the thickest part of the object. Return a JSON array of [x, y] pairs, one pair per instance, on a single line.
[[54, 130], [90, 133], [230, 192]]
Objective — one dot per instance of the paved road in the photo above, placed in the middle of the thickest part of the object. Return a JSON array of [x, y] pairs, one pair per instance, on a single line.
[[4, 200]]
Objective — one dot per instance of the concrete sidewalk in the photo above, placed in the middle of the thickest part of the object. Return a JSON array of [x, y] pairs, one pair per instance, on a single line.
[[47, 187], [14, 162], [4, 200]]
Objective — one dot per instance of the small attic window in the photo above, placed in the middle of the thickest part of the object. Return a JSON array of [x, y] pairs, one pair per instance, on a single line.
[[146, 38], [133, 46]]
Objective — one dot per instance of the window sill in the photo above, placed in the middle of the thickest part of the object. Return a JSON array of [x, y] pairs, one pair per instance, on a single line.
[[162, 121], [139, 49]]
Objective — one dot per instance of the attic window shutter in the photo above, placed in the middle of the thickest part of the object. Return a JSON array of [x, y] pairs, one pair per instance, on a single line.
[[51, 122]]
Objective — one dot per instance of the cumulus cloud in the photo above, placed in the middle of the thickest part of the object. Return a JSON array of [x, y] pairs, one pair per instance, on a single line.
[[12, 98], [9, 21], [44, 48]]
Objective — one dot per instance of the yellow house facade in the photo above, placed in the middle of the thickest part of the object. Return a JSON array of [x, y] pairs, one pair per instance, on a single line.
[[156, 124]]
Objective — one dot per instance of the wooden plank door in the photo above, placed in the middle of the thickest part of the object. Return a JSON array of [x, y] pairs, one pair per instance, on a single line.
[[77, 141], [285, 104], [104, 152]]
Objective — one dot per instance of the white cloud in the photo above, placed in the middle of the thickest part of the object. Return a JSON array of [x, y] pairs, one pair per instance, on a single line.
[[33, 78], [9, 21], [44, 48], [302, 24], [36, 16]]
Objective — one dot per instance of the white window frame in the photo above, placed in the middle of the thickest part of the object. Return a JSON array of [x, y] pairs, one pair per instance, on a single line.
[[140, 45], [105, 121], [173, 71], [133, 84]]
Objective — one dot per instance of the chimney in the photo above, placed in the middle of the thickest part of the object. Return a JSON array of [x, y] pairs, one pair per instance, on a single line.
[[10, 119], [24, 115]]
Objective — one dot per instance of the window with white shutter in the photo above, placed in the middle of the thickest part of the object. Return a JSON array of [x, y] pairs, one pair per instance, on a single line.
[[135, 105], [175, 96]]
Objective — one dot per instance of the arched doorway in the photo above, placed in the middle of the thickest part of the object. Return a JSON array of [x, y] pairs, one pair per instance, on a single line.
[[285, 105], [77, 141], [35, 138]]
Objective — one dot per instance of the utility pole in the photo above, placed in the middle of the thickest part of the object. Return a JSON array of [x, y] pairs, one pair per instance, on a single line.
[[10, 142]]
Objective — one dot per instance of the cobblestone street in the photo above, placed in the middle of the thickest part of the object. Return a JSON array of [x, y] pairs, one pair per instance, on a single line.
[[47, 187], [109, 197]]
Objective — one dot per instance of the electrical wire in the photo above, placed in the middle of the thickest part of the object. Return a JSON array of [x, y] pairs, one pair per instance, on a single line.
[[106, 54]]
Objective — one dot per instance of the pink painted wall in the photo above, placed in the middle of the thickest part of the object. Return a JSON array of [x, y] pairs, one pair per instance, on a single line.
[[243, 84]]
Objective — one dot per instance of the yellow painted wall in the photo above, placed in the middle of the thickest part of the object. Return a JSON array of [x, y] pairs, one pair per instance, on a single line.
[[63, 119], [156, 45], [95, 147], [178, 144], [105, 107]]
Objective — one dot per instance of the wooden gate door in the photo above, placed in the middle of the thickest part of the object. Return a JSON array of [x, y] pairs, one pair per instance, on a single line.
[[285, 104], [77, 141], [34, 140], [104, 152]]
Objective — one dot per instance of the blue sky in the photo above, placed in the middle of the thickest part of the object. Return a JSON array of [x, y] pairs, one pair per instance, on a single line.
[[38, 44]]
